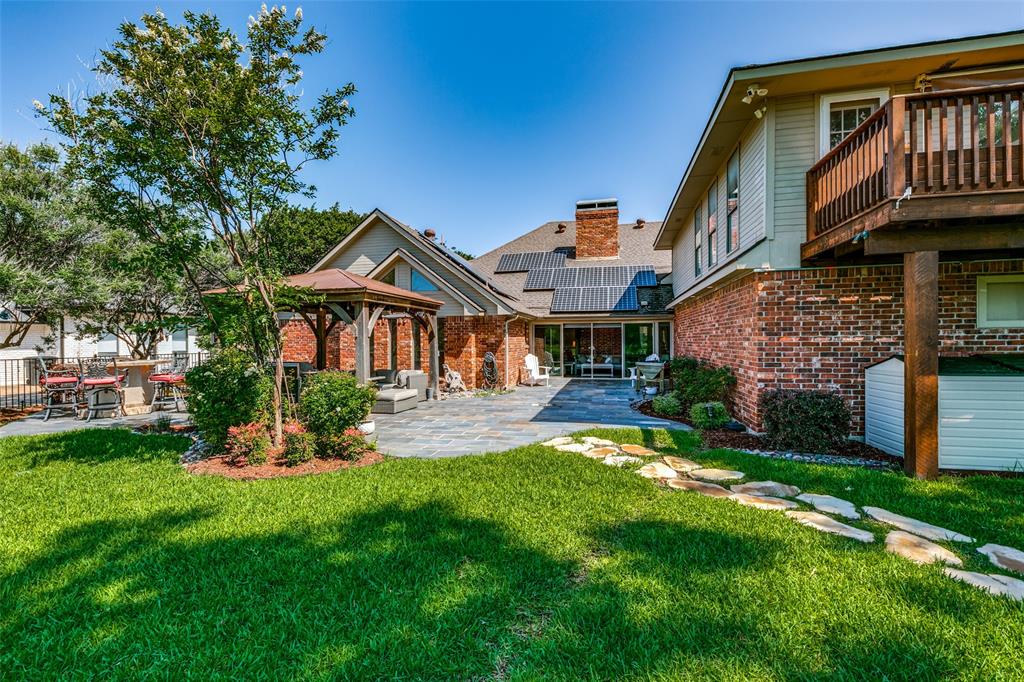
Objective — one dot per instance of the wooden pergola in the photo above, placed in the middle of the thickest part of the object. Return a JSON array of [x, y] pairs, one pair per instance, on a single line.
[[347, 298]]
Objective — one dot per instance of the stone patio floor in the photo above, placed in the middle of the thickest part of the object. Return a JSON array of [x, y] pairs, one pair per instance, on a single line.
[[473, 425], [456, 426]]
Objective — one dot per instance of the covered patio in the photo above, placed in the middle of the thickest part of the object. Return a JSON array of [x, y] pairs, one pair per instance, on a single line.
[[357, 301]]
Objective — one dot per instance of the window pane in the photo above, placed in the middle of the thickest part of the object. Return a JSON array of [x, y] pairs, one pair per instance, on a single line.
[[835, 121], [421, 283], [389, 278], [1005, 302]]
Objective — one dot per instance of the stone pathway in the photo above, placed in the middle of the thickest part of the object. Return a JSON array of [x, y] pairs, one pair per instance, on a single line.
[[913, 539]]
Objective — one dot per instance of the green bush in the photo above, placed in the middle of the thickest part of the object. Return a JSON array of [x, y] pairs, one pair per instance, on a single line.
[[805, 421], [332, 402], [698, 381], [299, 444], [227, 390], [709, 415], [248, 444], [348, 445], [666, 405]]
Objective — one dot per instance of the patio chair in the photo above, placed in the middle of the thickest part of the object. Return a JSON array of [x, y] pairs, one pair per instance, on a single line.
[[168, 380], [453, 380], [103, 391], [60, 384], [536, 373]]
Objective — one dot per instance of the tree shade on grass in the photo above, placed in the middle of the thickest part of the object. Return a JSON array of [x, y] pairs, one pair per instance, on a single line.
[[115, 563]]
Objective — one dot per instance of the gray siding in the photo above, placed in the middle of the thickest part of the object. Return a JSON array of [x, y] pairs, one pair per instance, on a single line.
[[379, 240], [795, 152], [751, 214]]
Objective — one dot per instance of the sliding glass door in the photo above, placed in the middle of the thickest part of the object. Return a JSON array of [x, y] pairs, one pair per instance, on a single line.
[[547, 346], [607, 363], [639, 342], [577, 352]]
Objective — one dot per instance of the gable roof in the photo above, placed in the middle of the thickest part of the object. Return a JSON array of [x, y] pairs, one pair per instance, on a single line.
[[850, 70], [636, 247], [453, 263]]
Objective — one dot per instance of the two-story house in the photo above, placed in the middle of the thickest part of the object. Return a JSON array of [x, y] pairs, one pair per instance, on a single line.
[[842, 210]]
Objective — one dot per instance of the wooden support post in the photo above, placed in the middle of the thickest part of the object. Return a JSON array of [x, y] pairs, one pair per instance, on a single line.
[[921, 367], [362, 333], [321, 338], [435, 356]]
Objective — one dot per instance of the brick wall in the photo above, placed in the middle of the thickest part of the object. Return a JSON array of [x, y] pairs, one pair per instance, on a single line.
[[468, 339], [597, 233], [821, 328], [300, 345]]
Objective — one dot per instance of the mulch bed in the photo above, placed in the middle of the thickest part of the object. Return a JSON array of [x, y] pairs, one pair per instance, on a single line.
[[220, 466], [10, 414], [739, 440]]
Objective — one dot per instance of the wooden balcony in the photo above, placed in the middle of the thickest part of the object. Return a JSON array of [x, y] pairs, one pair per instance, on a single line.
[[923, 165]]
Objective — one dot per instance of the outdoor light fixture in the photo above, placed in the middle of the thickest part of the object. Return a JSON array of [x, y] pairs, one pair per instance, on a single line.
[[754, 90], [759, 113]]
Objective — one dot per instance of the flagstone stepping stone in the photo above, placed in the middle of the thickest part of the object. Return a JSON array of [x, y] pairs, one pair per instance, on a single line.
[[763, 502], [830, 505], [561, 440], [708, 489], [657, 470], [919, 550], [593, 440], [601, 453], [573, 447], [769, 488], [680, 464], [638, 450], [1000, 585], [1004, 557], [920, 528], [717, 474], [827, 524], [620, 460]]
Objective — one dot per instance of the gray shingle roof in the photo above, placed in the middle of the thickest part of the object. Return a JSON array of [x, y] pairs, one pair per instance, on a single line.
[[636, 247]]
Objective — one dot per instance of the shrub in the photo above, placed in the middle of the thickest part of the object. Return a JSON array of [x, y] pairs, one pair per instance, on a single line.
[[299, 444], [332, 402], [697, 381], [162, 424], [667, 405], [248, 443], [227, 390], [805, 421], [709, 415], [346, 445]]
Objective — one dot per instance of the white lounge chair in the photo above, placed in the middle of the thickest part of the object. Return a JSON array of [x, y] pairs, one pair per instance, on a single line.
[[536, 372]]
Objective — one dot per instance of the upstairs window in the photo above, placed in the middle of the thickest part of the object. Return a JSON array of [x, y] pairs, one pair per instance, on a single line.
[[697, 255], [713, 225], [732, 205], [421, 283], [842, 112]]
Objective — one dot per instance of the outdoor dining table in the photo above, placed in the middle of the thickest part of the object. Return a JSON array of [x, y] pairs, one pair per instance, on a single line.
[[138, 391]]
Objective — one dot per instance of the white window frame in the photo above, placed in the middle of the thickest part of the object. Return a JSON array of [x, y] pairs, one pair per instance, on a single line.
[[825, 103], [981, 302]]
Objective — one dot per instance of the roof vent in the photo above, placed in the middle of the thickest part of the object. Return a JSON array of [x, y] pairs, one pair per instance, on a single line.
[[640, 222], [560, 229], [429, 233]]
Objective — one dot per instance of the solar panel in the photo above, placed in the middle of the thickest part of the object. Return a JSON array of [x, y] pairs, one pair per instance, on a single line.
[[594, 299], [524, 262], [539, 279]]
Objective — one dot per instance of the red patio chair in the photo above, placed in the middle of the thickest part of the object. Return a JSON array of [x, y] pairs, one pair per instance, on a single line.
[[60, 384], [97, 381], [168, 381]]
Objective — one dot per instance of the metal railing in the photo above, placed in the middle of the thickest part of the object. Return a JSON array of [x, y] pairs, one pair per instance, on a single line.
[[19, 377]]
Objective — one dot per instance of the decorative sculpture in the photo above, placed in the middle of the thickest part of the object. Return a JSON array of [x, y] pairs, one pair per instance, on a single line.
[[453, 380]]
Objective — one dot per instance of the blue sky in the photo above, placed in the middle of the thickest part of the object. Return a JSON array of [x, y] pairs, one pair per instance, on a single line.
[[484, 120]]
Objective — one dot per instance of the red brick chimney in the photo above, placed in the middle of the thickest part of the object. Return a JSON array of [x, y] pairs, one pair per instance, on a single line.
[[597, 228]]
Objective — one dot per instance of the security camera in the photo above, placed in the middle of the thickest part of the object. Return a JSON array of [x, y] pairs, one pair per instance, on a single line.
[[754, 90]]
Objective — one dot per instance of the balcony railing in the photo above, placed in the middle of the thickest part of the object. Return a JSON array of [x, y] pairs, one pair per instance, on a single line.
[[945, 143]]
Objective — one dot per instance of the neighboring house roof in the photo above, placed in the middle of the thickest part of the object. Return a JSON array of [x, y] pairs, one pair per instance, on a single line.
[[636, 247], [730, 115]]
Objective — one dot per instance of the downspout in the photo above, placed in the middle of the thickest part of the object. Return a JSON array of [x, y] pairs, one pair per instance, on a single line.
[[507, 323]]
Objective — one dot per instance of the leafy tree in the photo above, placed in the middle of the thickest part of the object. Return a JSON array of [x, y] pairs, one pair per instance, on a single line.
[[46, 270], [466, 255], [302, 236], [201, 133]]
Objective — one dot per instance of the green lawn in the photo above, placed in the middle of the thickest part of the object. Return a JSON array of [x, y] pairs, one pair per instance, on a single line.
[[115, 563]]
